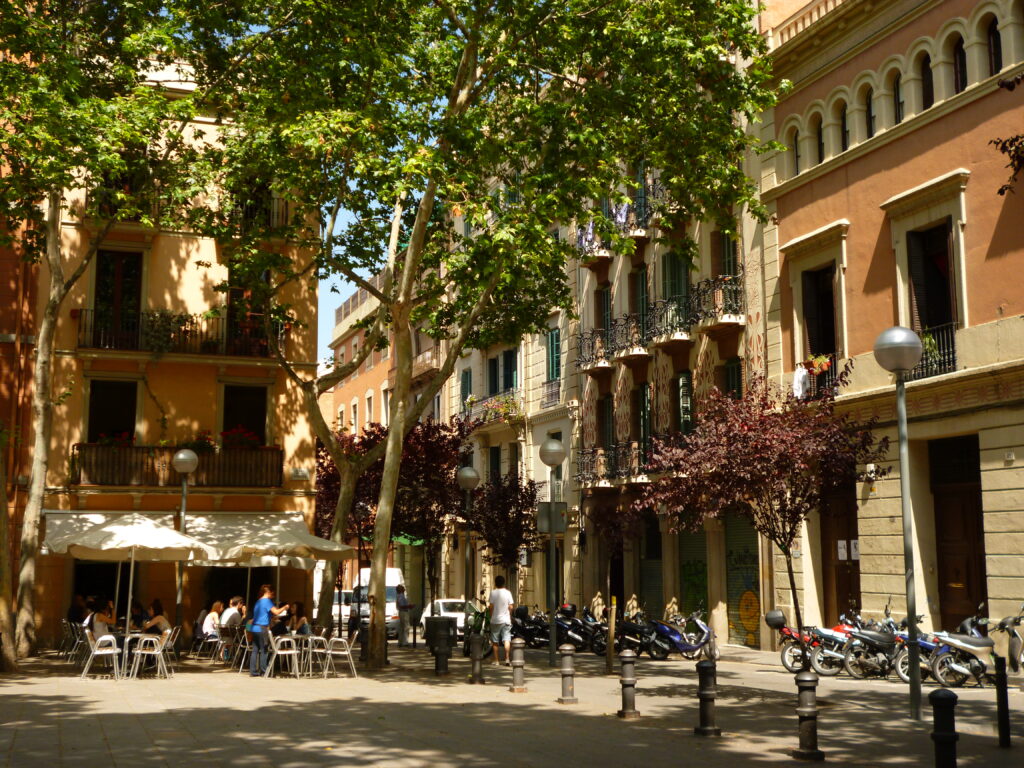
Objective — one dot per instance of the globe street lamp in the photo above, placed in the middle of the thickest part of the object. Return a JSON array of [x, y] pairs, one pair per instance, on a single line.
[[550, 519], [898, 350], [468, 479], [184, 462]]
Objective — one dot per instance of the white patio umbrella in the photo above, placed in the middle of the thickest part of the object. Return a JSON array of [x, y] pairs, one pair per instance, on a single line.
[[131, 537]]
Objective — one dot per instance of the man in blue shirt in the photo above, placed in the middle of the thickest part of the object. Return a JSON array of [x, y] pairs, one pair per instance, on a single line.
[[261, 617]]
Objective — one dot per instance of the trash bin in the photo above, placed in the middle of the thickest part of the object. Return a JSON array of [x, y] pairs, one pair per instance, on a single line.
[[441, 630]]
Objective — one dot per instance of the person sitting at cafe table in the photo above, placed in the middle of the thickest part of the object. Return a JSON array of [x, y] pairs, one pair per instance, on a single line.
[[136, 615], [159, 623], [299, 624], [280, 627], [101, 617], [211, 624], [234, 613], [78, 610]]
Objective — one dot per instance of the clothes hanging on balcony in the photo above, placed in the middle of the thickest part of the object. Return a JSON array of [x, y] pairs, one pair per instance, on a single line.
[[801, 382]]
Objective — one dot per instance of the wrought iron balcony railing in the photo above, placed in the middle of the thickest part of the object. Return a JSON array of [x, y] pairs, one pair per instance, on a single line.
[[589, 243], [163, 331], [668, 316], [504, 405], [818, 384], [712, 298], [593, 348], [939, 352], [145, 465], [594, 465], [629, 332], [550, 393]]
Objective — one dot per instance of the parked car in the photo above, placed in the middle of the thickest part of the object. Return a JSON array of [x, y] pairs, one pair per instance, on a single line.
[[447, 607], [392, 578]]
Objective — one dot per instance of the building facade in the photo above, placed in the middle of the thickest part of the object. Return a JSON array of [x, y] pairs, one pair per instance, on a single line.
[[885, 211]]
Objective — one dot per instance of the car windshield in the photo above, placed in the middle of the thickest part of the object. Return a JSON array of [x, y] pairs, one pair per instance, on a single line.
[[391, 595], [453, 606]]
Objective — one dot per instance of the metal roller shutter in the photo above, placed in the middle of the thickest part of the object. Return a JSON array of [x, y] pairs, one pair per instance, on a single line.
[[693, 572], [743, 585]]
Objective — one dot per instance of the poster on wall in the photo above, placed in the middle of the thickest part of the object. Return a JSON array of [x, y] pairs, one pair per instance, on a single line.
[[841, 549], [855, 549]]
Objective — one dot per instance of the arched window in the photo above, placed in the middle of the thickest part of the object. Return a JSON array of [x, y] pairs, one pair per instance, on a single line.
[[959, 66], [897, 99], [995, 47], [844, 129], [869, 112], [819, 140], [927, 82], [794, 148]]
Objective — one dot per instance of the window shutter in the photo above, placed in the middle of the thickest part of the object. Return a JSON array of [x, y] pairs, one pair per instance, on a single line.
[[605, 308], [812, 326], [734, 377], [467, 385], [685, 395], [554, 354], [918, 286], [645, 414], [608, 413], [508, 366]]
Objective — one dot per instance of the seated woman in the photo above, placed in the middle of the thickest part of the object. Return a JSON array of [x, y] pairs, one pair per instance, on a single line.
[[280, 627], [298, 623], [159, 623], [101, 616], [211, 624]]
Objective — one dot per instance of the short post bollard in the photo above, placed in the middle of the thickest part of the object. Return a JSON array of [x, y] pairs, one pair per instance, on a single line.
[[1002, 703], [568, 675], [476, 653], [706, 693], [518, 666], [807, 712], [442, 652], [628, 683], [944, 732]]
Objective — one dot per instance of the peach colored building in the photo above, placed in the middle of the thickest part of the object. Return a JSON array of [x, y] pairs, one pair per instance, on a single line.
[[885, 212]]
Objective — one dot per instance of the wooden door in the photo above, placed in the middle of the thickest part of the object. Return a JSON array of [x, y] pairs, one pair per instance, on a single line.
[[840, 554], [960, 551]]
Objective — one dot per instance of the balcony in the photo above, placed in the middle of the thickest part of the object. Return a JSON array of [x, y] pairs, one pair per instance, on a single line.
[[595, 467], [821, 376], [593, 250], [425, 364], [143, 465], [629, 337], [504, 406], [593, 354], [263, 212], [631, 460], [668, 322], [717, 304], [162, 331], [939, 352], [550, 393]]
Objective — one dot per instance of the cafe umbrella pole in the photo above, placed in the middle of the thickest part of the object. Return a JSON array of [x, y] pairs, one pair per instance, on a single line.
[[117, 591], [131, 585]]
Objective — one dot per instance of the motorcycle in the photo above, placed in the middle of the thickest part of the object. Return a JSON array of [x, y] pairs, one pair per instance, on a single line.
[[871, 652], [969, 654], [829, 645], [791, 652], [533, 629], [569, 629], [928, 645], [637, 634], [1010, 625], [673, 636]]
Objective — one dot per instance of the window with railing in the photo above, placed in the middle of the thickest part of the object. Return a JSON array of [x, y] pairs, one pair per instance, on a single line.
[[932, 303], [150, 465]]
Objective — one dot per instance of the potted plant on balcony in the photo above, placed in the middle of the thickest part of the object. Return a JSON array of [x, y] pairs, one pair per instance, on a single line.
[[506, 408], [817, 364], [163, 330], [239, 437]]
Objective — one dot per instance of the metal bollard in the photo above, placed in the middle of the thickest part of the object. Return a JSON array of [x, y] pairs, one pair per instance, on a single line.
[[442, 652], [944, 732], [706, 692], [476, 653], [628, 683], [518, 666], [807, 711], [1002, 703], [568, 675]]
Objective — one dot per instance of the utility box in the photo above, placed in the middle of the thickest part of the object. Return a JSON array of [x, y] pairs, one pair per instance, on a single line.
[[441, 631]]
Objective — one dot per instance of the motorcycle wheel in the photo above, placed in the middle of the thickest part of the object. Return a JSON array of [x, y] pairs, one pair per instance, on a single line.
[[711, 651], [944, 674], [599, 645], [658, 650], [792, 657], [902, 664], [826, 666], [853, 662]]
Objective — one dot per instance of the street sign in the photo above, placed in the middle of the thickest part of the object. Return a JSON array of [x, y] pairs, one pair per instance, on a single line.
[[551, 516]]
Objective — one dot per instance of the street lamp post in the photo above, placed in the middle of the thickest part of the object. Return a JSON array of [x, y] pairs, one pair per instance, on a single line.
[[468, 479], [552, 454], [184, 462], [898, 350]]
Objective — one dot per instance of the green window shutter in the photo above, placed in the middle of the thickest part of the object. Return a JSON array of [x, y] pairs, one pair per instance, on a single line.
[[554, 354], [608, 421], [508, 369], [494, 462], [684, 387], [645, 414], [493, 380], [730, 255], [467, 385]]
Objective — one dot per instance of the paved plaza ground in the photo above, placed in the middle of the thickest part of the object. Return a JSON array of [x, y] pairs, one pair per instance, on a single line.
[[405, 716]]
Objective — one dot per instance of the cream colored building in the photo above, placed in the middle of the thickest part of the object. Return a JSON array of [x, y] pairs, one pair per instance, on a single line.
[[885, 212]]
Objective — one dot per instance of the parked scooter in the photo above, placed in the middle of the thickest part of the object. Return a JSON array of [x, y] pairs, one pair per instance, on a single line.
[[637, 634], [872, 652], [1011, 626], [533, 629], [829, 647], [569, 628], [673, 636], [969, 654]]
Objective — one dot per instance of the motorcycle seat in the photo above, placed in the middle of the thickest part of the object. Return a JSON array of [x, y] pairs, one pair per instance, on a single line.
[[882, 638], [974, 642]]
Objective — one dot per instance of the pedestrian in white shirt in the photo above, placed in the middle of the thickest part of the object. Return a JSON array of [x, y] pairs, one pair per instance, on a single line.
[[500, 605], [234, 614]]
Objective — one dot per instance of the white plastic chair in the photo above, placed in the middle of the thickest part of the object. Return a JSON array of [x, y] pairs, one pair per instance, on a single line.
[[284, 647], [152, 646], [106, 647], [67, 639], [244, 649], [339, 647], [316, 649]]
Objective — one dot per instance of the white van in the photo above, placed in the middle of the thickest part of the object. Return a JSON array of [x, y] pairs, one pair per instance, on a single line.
[[392, 578]]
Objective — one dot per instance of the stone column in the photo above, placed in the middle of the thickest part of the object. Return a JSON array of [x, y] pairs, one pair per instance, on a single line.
[[718, 615]]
